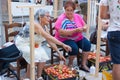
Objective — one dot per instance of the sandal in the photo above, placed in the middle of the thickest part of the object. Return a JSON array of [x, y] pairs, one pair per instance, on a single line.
[[82, 68]]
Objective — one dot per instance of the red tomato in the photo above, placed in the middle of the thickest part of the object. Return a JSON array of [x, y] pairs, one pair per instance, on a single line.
[[36, 45]]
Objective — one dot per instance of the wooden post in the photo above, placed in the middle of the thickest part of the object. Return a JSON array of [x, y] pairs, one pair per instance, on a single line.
[[9, 11], [1, 26], [98, 43], [88, 17], [32, 62], [55, 12], [60, 7]]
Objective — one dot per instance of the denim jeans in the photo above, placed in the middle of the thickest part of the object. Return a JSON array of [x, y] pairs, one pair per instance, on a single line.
[[114, 46]]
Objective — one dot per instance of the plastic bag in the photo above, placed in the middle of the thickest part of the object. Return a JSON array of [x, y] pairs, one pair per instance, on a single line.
[[106, 75]]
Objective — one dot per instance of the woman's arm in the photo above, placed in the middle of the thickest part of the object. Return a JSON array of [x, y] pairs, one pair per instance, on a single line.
[[67, 32], [71, 32], [104, 12], [39, 30], [85, 28], [53, 45]]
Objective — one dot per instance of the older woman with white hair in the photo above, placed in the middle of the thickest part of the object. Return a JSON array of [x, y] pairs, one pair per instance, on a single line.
[[22, 41]]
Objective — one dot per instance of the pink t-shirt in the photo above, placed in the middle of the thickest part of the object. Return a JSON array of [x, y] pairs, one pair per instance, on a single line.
[[77, 22]]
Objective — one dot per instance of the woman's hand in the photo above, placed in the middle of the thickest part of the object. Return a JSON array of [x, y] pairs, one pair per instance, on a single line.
[[62, 58], [85, 28], [79, 29], [67, 48]]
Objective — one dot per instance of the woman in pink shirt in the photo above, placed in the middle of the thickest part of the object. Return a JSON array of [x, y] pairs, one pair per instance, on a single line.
[[69, 27]]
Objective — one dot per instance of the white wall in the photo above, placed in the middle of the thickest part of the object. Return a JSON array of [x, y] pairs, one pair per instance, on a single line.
[[25, 11]]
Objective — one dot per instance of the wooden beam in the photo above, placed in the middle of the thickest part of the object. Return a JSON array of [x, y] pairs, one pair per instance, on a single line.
[[88, 17], [9, 11], [32, 62], [55, 8], [98, 43], [31, 6]]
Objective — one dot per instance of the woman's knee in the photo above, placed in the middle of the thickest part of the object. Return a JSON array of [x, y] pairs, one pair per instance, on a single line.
[[87, 47], [75, 50], [84, 44], [74, 47]]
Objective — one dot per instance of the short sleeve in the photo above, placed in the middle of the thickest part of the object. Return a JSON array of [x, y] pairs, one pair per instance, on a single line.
[[82, 21], [58, 24], [104, 2], [59, 21], [79, 20]]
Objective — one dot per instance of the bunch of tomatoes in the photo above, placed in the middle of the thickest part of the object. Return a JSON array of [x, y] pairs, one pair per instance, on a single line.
[[60, 71]]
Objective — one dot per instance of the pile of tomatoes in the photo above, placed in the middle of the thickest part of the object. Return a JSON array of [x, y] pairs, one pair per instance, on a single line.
[[102, 58], [60, 71]]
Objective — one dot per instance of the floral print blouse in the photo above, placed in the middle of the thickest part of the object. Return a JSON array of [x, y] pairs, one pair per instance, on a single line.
[[114, 10]]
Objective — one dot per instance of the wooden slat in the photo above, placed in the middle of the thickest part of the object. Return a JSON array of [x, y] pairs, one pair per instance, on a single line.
[[9, 11], [32, 62], [98, 43], [9, 30], [16, 24], [31, 6], [55, 8], [88, 17]]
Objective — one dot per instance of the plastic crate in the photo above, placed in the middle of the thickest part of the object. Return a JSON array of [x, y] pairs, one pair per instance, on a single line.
[[106, 65]]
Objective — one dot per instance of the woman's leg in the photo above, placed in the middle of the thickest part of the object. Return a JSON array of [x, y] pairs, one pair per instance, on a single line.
[[71, 58], [84, 60], [40, 67], [114, 47], [74, 51], [28, 71], [85, 45]]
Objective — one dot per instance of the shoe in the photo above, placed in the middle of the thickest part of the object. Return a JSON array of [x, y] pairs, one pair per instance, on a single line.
[[40, 78], [81, 68], [26, 79]]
